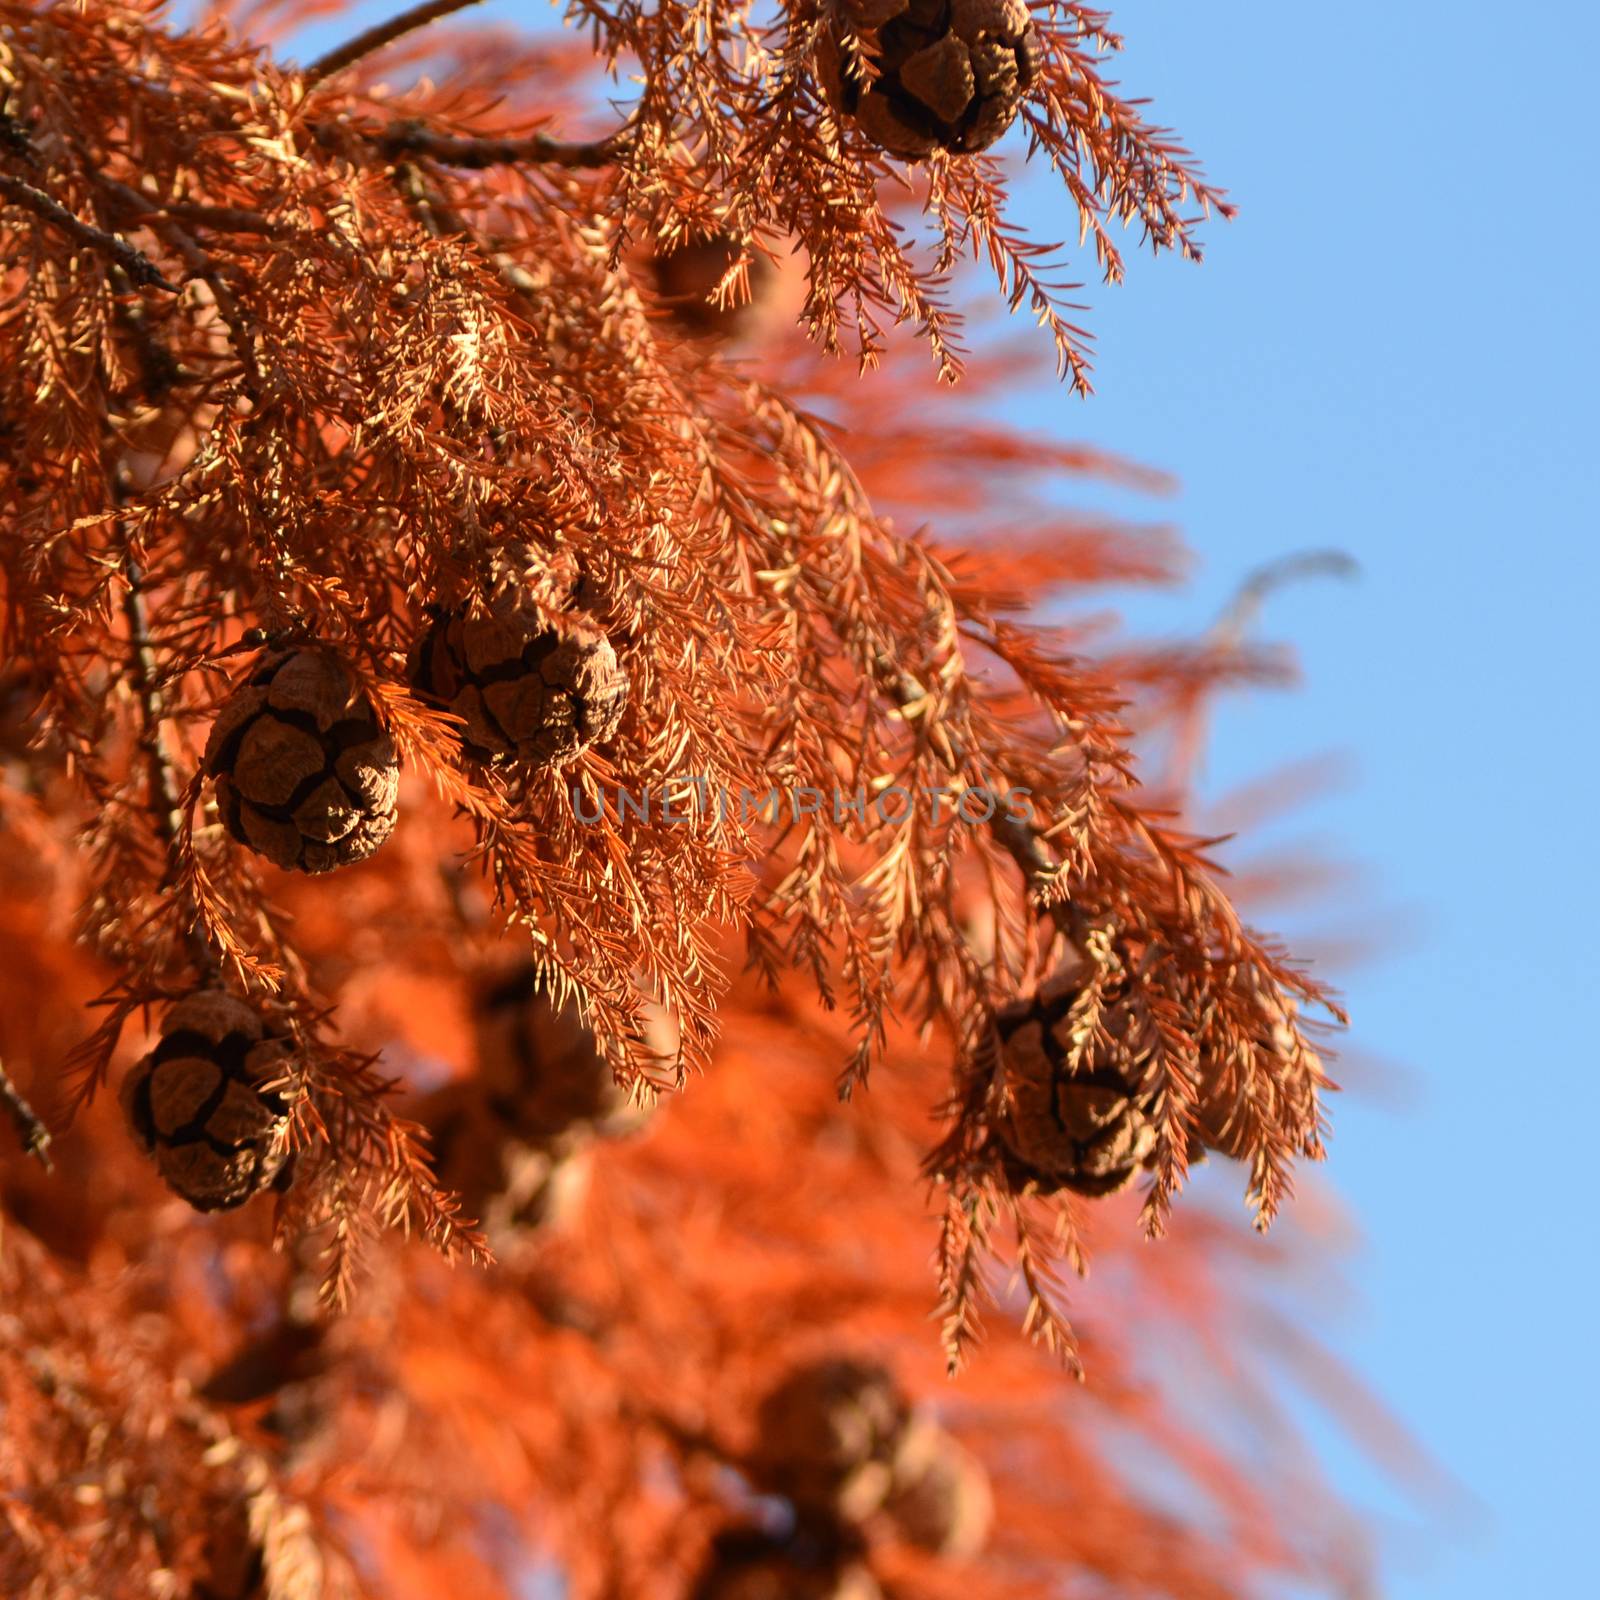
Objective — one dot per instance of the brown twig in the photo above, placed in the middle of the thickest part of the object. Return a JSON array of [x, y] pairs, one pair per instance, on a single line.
[[133, 261], [35, 1136], [159, 369], [1247, 599], [165, 796], [411, 138], [442, 221], [163, 782], [224, 219], [375, 38], [200, 266]]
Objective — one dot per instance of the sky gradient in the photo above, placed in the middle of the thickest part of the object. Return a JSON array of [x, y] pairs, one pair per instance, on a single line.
[[1392, 352]]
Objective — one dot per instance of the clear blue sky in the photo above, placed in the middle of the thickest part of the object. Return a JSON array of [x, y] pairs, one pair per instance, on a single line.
[[1393, 351]]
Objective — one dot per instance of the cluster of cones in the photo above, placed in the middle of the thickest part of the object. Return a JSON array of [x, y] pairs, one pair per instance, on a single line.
[[305, 773], [914, 77], [210, 1105]]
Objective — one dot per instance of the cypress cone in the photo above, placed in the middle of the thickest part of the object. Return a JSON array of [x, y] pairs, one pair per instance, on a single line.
[[951, 74], [687, 276], [515, 1188], [940, 1499], [527, 691], [541, 1067], [1086, 1128], [200, 1104], [304, 772], [513, 1140]]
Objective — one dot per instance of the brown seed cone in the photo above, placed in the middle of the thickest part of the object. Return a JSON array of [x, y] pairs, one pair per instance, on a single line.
[[540, 1067], [748, 1564], [1088, 1130], [828, 1437], [526, 691], [304, 772], [940, 1499], [198, 1104], [952, 74]]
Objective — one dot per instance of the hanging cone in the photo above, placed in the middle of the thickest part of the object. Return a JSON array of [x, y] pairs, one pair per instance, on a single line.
[[951, 74], [515, 1188], [1084, 1127], [541, 1067], [304, 772], [527, 691], [687, 276], [751, 1564], [201, 1105]]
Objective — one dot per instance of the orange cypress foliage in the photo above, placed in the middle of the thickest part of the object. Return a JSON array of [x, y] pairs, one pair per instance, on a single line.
[[300, 362]]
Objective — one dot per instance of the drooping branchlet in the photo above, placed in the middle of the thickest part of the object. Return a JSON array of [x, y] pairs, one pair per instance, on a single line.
[[1282, 1084]]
